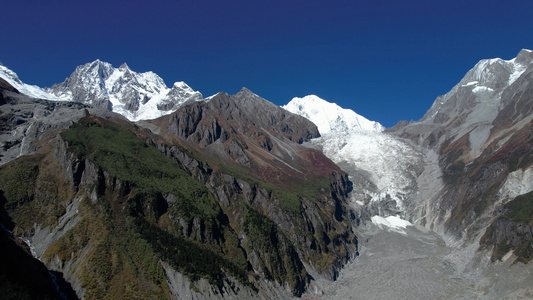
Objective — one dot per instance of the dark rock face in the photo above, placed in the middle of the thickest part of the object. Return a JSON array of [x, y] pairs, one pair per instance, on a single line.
[[23, 276], [262, 139], [244, 113], [505, 235], [5, 87], [230, 190], [235, 127]]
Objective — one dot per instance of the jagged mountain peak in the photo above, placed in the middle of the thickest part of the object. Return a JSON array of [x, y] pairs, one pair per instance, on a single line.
[[246, 92], [245, 95], [497, 73], [525, 56], [102, 68], [329, 117], [124, 66], [246, 104], [137, 96], [477, 97]]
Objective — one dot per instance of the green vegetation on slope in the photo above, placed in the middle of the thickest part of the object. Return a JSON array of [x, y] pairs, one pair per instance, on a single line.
[[152, 176], [189, 258], [148, 209], [520, 209], [512, 230], [17, 180], [130, 228], [125, 156], [279, 260], [35, 192]]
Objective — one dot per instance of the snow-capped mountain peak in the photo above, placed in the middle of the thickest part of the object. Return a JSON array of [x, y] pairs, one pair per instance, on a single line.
[[483, 84], [329, 117], [137, 96], [381, 166]]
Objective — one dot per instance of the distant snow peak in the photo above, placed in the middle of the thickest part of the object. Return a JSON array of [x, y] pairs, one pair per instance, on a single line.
[[489, 71], [361, 146], [136, 96], [486, 80], [329, 117]]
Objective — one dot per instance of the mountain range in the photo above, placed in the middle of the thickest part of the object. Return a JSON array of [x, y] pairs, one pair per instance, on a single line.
[[123, 186]]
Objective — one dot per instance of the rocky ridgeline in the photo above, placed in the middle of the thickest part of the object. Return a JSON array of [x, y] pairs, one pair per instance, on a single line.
[[105, 222], [478, 136]]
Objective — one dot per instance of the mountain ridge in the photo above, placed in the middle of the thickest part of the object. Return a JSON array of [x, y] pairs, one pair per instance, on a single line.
[[255, 194], [134, 95], [468, 178], [246, 227]]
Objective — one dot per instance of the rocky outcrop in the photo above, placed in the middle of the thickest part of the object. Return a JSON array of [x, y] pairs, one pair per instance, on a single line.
[[28, 124], [479, 135], [323, 236], [25, 277], [245, 237], [244, 113], [505, 236]]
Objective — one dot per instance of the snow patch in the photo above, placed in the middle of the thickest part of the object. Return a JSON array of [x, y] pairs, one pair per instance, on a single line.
[[518, 70], [517, 183], [26, 89], [471, 83], [483, 91], [392, 223]]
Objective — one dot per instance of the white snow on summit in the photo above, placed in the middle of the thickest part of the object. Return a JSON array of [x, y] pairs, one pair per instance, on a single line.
[[136, 96], [29, 90], [361, 146], [329, 116]]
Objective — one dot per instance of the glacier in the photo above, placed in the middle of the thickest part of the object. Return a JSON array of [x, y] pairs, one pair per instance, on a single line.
[[382, 167]]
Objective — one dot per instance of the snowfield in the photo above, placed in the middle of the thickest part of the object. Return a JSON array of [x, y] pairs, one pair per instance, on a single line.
[[393, 223], [357, 143], [30, 90]]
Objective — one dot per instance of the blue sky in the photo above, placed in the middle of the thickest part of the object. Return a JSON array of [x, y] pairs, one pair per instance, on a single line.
[[387, 60]]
